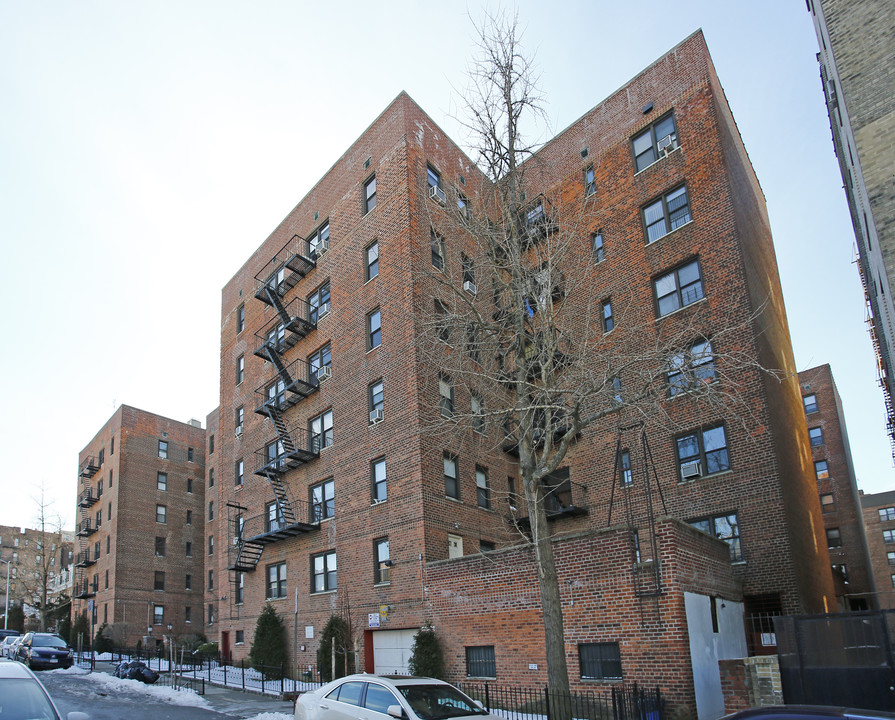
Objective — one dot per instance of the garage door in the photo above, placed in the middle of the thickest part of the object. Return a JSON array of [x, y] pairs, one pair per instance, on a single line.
[[391, 651]]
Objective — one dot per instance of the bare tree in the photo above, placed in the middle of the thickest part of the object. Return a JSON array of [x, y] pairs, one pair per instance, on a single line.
[[517, 326], [38, 577]]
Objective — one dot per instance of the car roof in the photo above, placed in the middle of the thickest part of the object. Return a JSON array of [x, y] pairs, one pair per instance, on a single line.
[[10, 669], [396, 680]]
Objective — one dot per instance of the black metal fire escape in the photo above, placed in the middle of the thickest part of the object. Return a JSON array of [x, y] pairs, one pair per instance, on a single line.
[[87, 498]]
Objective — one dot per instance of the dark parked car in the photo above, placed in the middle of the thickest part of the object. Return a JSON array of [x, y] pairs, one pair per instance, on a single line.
[[7, 633], [808, 712], [22, 696], [44, 650]]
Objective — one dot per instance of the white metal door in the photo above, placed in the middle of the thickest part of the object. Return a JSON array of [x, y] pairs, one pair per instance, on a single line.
[[391, 651]]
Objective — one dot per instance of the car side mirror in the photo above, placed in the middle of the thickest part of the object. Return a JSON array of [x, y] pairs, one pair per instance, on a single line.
[[479, 705], [396, 711]]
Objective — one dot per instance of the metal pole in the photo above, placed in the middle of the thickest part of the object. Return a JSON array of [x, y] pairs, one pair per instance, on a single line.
[[6, 615]]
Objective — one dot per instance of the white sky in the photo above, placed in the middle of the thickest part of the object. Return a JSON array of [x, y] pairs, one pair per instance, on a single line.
[[146, 149]]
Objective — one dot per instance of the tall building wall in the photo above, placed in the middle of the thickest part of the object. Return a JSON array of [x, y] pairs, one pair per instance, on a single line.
[[879, 525]]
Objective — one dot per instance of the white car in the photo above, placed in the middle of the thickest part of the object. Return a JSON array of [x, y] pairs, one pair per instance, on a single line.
[[383, 697], [6, 643]]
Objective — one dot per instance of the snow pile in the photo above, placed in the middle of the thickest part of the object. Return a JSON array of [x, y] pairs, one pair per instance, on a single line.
[[166, 694], [73, 670]]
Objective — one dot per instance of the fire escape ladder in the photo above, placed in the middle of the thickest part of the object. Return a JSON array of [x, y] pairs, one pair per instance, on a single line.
[[285, 439], [284, 507]]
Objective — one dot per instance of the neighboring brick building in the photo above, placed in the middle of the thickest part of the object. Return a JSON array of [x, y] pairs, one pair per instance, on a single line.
[[141, 531], [39, 562], [838, 489], [879, 525], [335, 497], [857, 70]]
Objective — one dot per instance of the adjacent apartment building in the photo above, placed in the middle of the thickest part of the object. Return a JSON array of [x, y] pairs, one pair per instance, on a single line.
[[141, 542], [676, 546], [857, 71], [879, 525], [837, 487]]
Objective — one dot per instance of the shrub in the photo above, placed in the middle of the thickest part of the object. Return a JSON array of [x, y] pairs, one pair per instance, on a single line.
[[426, 656], [336, 633], [102, 643], [268, 653]]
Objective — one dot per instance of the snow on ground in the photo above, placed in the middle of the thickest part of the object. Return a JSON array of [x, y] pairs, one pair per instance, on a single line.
[[166, 694], [73, 670], [270, 716]]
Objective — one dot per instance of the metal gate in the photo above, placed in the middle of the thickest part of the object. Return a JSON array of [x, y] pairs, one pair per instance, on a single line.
[[841, 659]]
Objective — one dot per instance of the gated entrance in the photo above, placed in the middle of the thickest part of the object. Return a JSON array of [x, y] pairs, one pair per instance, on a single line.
[[841, 659]]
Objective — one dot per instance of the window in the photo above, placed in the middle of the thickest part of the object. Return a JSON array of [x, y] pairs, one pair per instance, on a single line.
[[886, 514], [437, 250], [276, 581], [600, 661], [381, 560], [446, 396], [318, 243], [374, 330], [322, 431], [827, 503], [161, 482], [211, 510], [188, 582], [239, 597], [890, 557], [188, 614], [810, 403], [598, 248], [483, 488], [102, 456], [319, 303], [606, 316], [210, 613], [371, 265], [376, 402], [210, 479], [834, 538], [189, 485], [889, 536], [189, 455], [112, 446], [616, 383], [210, 585], [189, 517], [323, 572], [378, 480], [240, 319], [239, 420], [468, 270], [433, 179], [668, 213], [189, 549], [211, 444], [163, 449], [211, 544], [480, 661], [691, 368], [161, 514], [240, 637], [678, 288], [323, 503], [451, 483], [703, 452], [478, 415], [486, 546], [239, 473], [240, 369], [816, 436], [159, 580], [323, 358], [821, 470], [648, 145], [462, 205], [723, 527], [274, 518], [590, 182], [626, 477], [158, 615], [443, 327], [160, 547], [369, 194]]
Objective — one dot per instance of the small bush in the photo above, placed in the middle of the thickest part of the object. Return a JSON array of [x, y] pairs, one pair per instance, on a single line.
[[336, 633], [268, 653], [426, 656]]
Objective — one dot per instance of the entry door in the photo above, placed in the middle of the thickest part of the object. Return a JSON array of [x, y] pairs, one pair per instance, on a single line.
[[391, 651]]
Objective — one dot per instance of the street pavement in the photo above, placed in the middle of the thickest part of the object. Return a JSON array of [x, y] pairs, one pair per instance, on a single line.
[[76, 692]]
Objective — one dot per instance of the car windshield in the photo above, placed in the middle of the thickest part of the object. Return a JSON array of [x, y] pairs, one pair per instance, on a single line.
[[23, 699], [51, 641], [435, 702]]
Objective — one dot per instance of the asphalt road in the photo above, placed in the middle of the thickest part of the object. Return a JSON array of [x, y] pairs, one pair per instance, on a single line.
[[77, 692]]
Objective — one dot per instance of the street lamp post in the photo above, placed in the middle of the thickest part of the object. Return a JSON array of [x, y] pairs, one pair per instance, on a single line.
[[6, 613]]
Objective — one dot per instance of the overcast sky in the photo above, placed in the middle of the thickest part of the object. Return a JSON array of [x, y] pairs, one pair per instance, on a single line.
[[146, 149]]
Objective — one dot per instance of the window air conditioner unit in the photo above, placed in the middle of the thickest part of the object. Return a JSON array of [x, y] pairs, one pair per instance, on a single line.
[[323, 309], [324, 373], [437, 194], [666, 145], [469, 286], [375, 416], [322, 246], [690, 469], [239, 431]]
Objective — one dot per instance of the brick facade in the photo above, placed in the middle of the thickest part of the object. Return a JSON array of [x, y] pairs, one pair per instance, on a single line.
[[838, 489], [879, 526], [141, 505], [768, 493]]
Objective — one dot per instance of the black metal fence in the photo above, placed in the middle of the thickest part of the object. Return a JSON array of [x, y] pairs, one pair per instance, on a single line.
[[617, 702]]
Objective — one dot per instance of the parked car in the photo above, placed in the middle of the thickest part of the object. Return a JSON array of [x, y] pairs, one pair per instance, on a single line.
[[44, 650], [22, 696], [13, 646], [6, 643], [808, 712], [380, 696], [4, 632]]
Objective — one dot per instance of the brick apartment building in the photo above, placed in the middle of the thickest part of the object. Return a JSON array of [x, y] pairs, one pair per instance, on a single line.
[[838, 489], [140, 559], [334, 497], [879, 526], [857, 71], [39, 562]]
